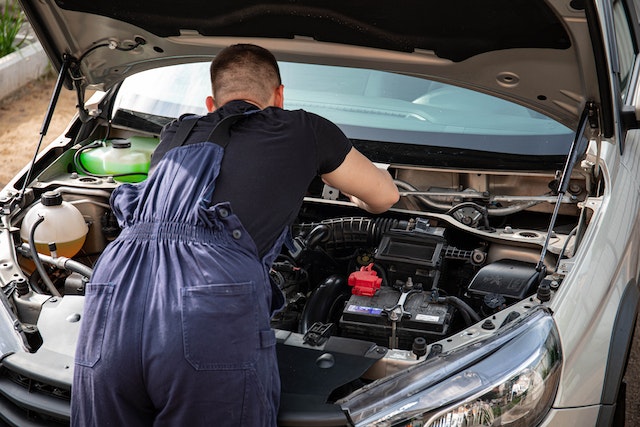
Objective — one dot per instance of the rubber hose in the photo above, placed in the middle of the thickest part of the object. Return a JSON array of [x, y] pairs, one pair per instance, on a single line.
[[36, 259], [321, 300], [464, 307], [317, 235], [352, 230], [60, 262]]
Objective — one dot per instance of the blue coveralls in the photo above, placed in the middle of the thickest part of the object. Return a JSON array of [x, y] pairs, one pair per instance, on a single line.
[[175, 330]]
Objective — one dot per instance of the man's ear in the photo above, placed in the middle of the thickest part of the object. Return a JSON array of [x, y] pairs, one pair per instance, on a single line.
[[211, 103], [279, 97]]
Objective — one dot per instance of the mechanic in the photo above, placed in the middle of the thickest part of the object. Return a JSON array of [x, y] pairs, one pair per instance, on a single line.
[[176, 331]]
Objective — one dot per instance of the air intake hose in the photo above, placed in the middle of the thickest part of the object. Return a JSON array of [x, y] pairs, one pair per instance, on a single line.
[[344, 232]]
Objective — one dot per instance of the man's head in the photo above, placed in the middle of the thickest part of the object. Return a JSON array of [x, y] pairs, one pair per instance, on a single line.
[[248, 72]]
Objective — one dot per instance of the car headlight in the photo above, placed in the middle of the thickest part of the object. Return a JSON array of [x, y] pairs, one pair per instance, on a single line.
[[510, 379]]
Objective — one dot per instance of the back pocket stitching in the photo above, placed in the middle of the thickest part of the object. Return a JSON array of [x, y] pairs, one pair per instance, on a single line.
[[203, 311], [99, 311]]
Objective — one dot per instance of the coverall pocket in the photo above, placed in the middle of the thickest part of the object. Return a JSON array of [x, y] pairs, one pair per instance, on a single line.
[[220, 326], [94, 321]]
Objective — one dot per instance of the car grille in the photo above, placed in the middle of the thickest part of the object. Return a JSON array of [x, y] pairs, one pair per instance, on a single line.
[[26, 402]]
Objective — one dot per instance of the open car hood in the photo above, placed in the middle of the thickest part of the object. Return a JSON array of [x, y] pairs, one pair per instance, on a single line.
[[533, 52]]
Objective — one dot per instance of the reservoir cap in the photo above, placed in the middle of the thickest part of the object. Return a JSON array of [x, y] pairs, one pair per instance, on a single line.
[[121, 143], [51, 198]]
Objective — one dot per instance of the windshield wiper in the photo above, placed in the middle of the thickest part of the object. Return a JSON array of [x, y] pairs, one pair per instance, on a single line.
[[145, 122]]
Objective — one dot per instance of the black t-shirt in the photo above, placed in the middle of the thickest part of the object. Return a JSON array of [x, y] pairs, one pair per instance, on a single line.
[[272, 157]]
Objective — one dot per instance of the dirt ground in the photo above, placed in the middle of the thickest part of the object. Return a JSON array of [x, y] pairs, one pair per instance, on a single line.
[[21, 118]]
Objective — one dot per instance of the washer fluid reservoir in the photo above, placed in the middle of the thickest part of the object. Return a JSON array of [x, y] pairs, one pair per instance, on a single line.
[[63, 225], [127, 160]]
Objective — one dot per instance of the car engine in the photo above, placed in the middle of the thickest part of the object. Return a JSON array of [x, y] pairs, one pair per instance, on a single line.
[[400, 283], [459, 248]]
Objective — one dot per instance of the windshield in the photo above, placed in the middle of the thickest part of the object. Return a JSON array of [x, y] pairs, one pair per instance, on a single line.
[[369, 105]]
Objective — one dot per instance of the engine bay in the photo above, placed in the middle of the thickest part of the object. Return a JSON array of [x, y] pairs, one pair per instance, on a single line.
[[459, 248]]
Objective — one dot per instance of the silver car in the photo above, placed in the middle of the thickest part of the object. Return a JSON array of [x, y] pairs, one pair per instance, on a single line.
[[502, 289]]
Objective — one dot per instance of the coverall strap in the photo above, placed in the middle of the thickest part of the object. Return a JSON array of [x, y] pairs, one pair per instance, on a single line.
[[220, 133], [186, 123], [184, 130]]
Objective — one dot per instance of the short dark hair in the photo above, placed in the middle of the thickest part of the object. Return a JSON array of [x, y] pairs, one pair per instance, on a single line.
[[244, 68]]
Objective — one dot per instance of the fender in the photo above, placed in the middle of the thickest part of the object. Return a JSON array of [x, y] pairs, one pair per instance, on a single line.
[[622, 336]]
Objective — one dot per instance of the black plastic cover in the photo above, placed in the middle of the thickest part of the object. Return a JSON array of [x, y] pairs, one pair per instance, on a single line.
[[512, 279], [310, 374]]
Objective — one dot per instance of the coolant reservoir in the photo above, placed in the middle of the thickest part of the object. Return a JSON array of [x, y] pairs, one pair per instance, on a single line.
[[63, 225], [129, 158]]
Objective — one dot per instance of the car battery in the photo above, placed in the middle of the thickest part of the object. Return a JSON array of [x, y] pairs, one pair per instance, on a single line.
[[367, 318]]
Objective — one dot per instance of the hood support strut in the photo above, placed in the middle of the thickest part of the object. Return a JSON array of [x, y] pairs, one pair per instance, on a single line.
[[578, 147], [47, 121]]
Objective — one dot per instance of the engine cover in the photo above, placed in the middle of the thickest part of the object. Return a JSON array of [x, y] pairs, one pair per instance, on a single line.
[[368, 318]]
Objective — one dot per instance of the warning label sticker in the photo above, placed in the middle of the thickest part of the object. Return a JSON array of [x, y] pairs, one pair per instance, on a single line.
[[362, 309], [428, 318]]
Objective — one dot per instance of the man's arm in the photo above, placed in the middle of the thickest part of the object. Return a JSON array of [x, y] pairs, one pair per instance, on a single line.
[[369, 187]]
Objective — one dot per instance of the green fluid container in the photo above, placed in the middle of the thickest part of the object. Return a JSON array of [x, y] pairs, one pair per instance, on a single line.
[[127, 160]]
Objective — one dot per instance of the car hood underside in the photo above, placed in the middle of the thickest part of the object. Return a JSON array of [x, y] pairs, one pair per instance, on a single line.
[[536, 53]]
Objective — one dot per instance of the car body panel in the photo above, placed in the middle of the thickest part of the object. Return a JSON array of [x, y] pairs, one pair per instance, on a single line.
[[603, 274], [573, 416]]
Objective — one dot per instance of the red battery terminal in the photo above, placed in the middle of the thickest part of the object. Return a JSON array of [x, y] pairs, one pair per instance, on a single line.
[[365, 282]]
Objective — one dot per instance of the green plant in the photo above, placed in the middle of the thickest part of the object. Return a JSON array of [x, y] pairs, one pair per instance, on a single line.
[[11, 20]]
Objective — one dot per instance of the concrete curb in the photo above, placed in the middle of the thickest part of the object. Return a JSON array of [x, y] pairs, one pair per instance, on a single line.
[[20, 67]]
